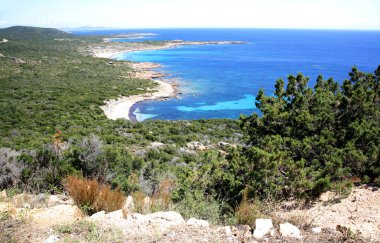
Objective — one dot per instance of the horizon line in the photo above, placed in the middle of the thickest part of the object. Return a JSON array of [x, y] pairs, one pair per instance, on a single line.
[[194, 27]]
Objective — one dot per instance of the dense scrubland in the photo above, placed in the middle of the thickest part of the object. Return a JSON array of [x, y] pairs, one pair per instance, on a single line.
[[306, 140]]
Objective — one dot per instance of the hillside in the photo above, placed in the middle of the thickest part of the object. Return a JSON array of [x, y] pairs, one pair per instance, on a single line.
[[28, 33], [305, 142], [51, 90]]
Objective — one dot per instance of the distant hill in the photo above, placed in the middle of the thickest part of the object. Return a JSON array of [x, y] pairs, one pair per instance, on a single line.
[[26, 32]]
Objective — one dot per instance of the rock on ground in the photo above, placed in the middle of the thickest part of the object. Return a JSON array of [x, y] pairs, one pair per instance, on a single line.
[[132, 224], [360, 212], [263, 227], [289, 230], [128, 206], [57, 215], [316, 230], [52, 239], [197, 223]]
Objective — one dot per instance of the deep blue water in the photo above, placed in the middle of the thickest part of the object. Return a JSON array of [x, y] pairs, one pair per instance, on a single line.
[[221, 81]]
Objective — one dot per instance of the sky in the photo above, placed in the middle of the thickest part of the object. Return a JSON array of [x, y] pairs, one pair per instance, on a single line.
[[309, 14]]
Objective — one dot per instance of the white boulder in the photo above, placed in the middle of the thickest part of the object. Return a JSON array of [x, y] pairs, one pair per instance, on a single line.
[[98, 216], [169, 218], [263, 227], [289, 230], [227, 230], [160, 220], [316, 230], [198, 223]]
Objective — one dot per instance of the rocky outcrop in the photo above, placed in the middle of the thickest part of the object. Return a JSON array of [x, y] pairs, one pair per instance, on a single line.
[[162, 220], [289, 230], [195, 146], [133, 223]]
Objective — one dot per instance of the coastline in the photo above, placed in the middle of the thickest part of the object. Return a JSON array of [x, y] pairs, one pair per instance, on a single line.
[[111, 49], [122, 107]]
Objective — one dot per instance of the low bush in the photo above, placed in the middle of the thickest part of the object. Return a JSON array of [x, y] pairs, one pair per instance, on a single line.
[[92, 196], [205, 207]]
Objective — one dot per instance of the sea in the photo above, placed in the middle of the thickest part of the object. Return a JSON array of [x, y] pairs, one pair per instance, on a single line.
[[221, 81]]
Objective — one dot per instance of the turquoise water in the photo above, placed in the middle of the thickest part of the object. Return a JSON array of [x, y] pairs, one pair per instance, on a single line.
[[221, 81]]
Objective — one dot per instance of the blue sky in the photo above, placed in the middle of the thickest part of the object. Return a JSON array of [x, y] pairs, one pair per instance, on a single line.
[[326, 14]]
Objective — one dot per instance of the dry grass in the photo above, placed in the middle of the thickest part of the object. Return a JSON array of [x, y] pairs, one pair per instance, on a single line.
[[160, 200], [139, 205], [296, 213], [248, 211], [300, 218], [93, 197]]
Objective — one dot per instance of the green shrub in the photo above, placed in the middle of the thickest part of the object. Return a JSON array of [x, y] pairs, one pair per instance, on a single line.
[[205, 207], [308, 140]]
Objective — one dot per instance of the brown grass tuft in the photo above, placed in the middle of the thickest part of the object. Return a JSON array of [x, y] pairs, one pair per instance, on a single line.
[[161, 199], [248, 211], [93, 197]]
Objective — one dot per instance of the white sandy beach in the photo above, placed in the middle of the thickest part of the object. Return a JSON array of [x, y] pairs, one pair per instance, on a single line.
[[120, 108]]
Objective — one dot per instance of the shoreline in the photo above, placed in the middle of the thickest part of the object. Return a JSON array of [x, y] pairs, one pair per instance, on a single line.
[[122, 107], [111, 49]]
